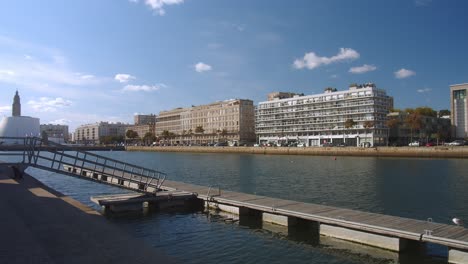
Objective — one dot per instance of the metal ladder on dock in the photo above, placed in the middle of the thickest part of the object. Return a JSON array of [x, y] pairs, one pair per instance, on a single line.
[[70, 160]]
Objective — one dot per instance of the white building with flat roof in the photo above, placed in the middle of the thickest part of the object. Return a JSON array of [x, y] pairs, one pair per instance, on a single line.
[[353, 117], [459, 109], [94, 133]]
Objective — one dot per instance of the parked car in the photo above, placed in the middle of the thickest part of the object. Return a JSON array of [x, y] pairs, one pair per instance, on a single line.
[[301, 145], [457, 143], [414, 144], [430, 144], [327, 145]]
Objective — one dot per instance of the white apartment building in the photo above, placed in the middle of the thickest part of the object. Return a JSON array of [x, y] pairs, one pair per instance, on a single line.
[[92, 133], [320, 119]]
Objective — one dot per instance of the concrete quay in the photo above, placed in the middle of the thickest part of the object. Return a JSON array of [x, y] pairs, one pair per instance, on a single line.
[[40, 225], [411, 152]]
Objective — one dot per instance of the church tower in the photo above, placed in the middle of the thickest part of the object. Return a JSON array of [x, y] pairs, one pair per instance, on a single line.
[[16, 105]]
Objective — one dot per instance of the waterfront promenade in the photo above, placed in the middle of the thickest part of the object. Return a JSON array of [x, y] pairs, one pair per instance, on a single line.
[[419, 152], [40, 225]]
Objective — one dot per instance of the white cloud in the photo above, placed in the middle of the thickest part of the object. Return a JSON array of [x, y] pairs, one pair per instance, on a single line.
[[404, 73], [157, 5], [87, 77], [5, 109], [61, 121], [202, 67], [133, 1], [46, 104], [312, 61], [334, 76], [143, 88], [6, 73], [124, 78], [362, 69], [424, 90]]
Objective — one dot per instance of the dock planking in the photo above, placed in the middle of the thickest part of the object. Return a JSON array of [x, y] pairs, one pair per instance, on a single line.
[[393, 226]]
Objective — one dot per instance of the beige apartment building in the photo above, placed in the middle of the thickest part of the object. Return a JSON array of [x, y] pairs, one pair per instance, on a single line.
[[92, 133], [226, 121]]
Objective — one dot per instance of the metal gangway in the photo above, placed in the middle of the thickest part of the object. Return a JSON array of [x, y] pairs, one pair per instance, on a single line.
[[35, 152]]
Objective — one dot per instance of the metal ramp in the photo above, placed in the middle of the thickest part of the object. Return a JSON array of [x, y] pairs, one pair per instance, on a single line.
[[69, 160]]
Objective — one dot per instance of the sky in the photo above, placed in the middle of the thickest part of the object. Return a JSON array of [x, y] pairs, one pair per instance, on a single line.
[[79, 62]]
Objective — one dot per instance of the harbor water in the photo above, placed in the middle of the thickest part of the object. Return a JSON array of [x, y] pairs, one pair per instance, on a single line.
[[413, 188]]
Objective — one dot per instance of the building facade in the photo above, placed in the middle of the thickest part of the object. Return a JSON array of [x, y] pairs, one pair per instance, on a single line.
[[459, 109], [55, 133], [144, 119], [227, 121], [94, 133], [354, 117], [431, 129]]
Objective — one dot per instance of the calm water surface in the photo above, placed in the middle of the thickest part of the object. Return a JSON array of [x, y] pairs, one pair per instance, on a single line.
[[415, 188]]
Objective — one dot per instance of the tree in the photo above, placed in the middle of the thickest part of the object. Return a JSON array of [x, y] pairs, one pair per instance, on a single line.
[[131, 134], [45, 138], [199, 129], [414, 121], [349, 123], [444, 112], [148, 138], [391, 124], [110, 139], [166, 134], [368, 124], [426, 111], [224, 132]]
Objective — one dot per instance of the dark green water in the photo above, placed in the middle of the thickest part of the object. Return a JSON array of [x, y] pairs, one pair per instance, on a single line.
[[414, 188]]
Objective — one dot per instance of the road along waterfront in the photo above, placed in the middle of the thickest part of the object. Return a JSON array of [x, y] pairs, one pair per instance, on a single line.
[[415, 188], [428, 152]]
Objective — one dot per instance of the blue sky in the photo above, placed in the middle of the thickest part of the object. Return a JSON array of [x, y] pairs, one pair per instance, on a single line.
[[77, 62]]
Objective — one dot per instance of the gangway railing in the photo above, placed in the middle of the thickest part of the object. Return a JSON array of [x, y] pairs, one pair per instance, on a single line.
[[51, 156]]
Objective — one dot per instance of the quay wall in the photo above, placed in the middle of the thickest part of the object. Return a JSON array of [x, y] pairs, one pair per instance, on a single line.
[[419, 152]]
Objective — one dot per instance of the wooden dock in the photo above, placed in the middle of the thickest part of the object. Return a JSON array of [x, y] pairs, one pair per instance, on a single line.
[[383, 231], [136, 201]]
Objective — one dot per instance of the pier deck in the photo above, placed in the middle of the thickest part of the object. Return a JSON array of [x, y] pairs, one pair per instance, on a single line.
[[424, 231]]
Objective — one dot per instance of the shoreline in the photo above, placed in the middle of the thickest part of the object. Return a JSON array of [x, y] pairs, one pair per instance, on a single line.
[[458, 152]]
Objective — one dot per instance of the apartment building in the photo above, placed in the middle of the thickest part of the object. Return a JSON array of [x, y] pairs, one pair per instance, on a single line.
[[144, 119], [55, 133], [353, 117], [459, 109], [230, 120], [93, 133]]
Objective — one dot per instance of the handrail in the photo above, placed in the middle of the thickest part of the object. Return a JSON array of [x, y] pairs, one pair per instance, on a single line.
[[33, 149]]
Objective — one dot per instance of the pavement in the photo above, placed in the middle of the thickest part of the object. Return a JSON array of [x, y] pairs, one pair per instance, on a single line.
[[40, 225]]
